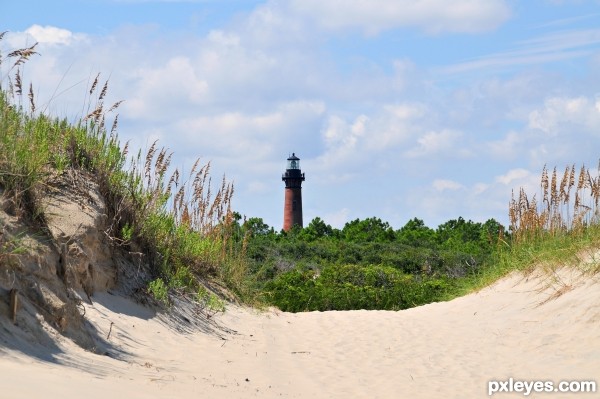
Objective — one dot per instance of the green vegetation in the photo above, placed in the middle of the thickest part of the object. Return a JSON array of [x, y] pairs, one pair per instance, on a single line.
[[188, 232], [212, 303], [353, 287], [159, 290], [367, 264]]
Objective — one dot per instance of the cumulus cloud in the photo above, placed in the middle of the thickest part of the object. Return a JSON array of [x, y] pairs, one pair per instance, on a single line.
[[340, 134], [159, 91], [52, 35], [357, 143], [253, 136], [431, 16], [559, 113], [383, 130]]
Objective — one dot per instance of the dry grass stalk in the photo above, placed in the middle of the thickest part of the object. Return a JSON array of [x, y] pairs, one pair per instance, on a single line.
[[545, 185], [95, 115], [115, 124], [563, 185], [115, 106], [528, 220], [553, 192], [193, 204], [22, 54], [31, 101], [103, 92], [18, 84], [98, 115], [94, 84]]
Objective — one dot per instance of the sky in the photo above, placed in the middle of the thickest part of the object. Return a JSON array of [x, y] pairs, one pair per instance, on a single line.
[[398, 109]]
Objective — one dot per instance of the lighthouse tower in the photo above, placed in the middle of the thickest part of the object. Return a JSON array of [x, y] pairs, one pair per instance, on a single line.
[[293, 178]]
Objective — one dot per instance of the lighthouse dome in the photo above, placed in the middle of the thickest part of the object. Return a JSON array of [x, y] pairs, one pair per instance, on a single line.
[[293, 162]]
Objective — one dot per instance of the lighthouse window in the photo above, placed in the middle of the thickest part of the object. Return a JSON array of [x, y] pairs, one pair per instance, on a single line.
[[294, 164], [294, 205]]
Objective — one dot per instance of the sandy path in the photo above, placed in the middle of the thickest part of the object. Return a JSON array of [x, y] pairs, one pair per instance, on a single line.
[[443, 350]]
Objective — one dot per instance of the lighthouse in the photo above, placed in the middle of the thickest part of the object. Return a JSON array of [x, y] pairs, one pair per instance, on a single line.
[[293, 178]]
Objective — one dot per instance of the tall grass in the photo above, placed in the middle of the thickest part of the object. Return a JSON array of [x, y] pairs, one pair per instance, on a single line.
[[569, 205], [556, 231], [182, 225], [560, 230]]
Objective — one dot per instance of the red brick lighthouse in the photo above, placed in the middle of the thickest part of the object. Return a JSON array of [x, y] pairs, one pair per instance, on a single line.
[[293, 178]]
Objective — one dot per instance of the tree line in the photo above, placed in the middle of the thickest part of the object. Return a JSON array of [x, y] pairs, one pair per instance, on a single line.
[[367, 264]]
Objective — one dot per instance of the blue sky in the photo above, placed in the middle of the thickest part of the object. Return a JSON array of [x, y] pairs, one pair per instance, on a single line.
[[397, 108]]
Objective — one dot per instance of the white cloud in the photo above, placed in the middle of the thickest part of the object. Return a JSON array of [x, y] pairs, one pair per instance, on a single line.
[[445, 185], [252, 136], [480, 188], [405, 111], [342, 135], [52, 35], [556, 46], [385, 129], [444, 199], [163, 89], [431, 16], [222, 38], [564, 114], [513, 175], [353, 145], [337, 218], [446, 142], [566, 21], [508, 148]]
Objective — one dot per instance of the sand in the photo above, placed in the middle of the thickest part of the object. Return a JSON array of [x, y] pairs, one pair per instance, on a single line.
[[517, 328]]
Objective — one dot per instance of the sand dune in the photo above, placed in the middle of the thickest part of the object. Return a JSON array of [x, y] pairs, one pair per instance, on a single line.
[[518, 328]]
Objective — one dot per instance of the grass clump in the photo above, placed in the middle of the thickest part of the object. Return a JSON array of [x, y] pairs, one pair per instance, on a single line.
[[564, 223], [211, 302], [159, 290], [569, 206], [560, 230]]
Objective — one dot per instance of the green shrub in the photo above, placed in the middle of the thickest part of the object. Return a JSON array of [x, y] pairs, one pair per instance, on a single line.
[[354, 287], [159, 290], [212, 303]]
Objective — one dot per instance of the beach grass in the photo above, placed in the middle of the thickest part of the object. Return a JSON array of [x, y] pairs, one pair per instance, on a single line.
[[561, 230]]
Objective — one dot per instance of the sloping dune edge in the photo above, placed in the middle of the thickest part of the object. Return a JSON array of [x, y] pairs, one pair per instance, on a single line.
[[529, 327]]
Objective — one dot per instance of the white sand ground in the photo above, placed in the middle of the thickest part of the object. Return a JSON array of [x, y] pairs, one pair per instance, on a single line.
[[442, 350]]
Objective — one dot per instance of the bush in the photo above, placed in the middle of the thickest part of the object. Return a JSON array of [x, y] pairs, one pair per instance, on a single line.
[[159, 290], [353, 287]]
